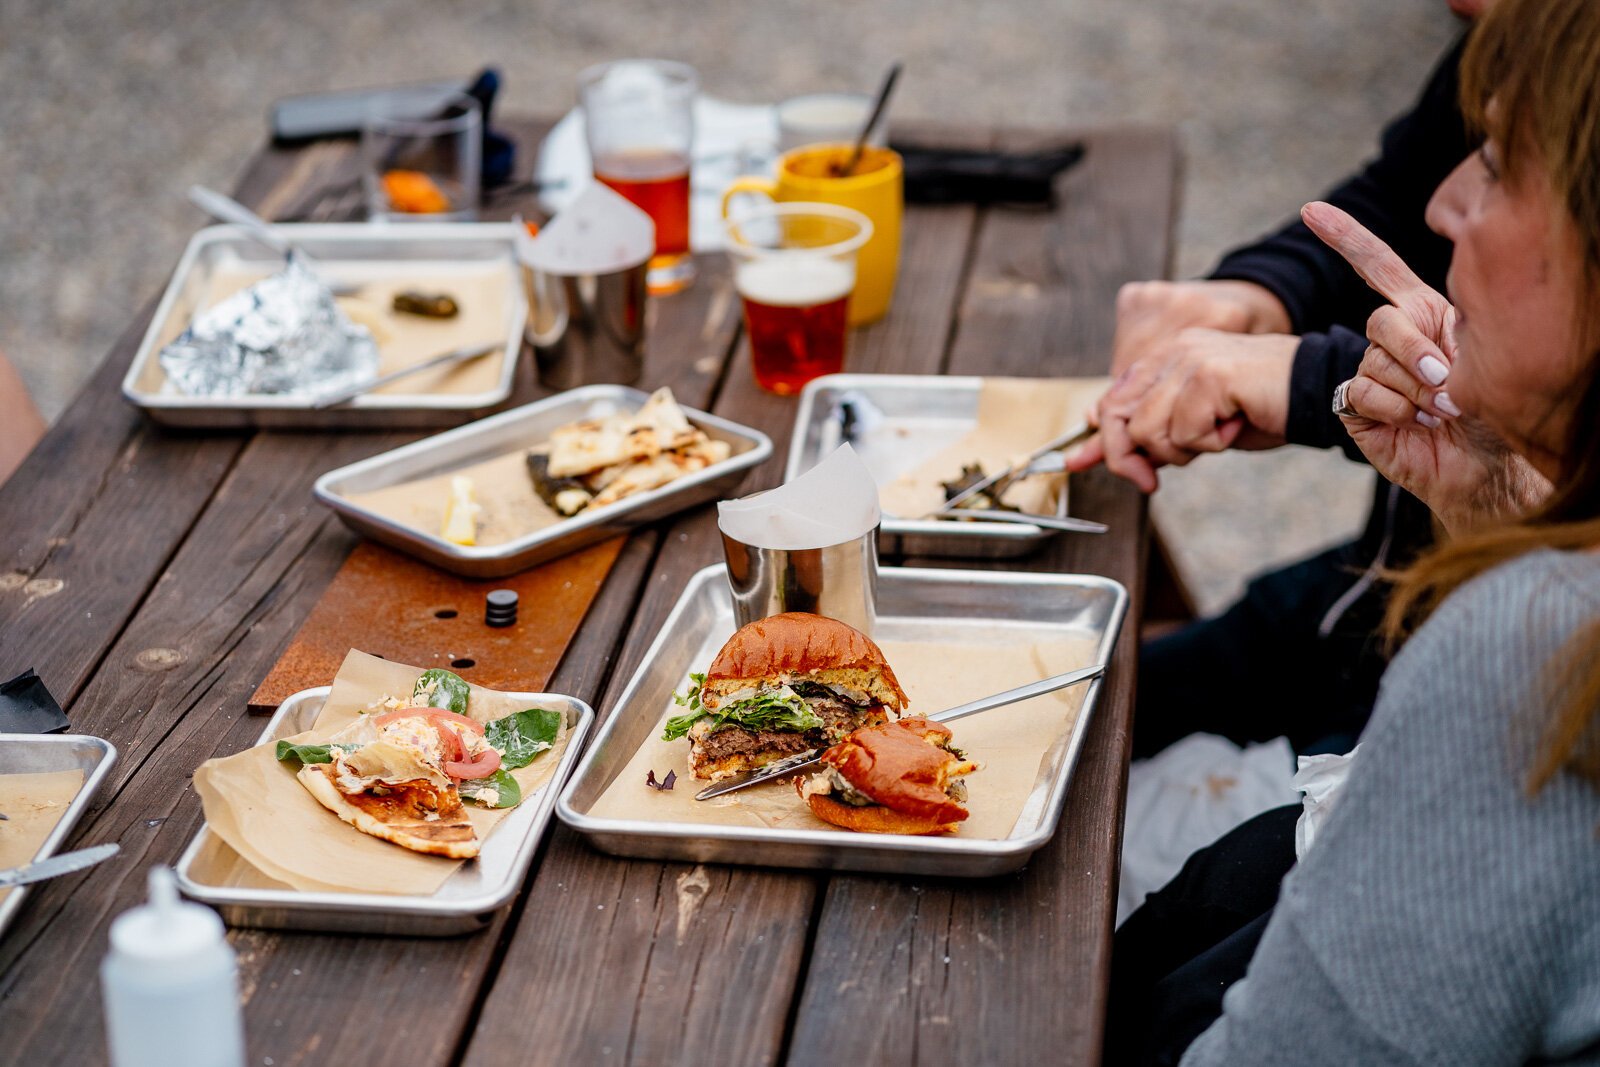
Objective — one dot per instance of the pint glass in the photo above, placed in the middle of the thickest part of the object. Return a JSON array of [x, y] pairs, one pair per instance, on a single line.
[[639, 120], [794, 266]]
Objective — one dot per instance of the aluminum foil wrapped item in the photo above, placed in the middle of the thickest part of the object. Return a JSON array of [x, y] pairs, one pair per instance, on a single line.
[[284, 334]]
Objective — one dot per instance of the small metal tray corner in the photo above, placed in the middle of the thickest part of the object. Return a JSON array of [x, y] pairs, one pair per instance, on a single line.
[[336, 245], [42, 753], [466, 902], [928, 602], [523, 427], [923, 413]]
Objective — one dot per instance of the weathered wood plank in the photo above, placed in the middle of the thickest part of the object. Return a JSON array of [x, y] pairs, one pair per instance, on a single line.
[[1014, 969]]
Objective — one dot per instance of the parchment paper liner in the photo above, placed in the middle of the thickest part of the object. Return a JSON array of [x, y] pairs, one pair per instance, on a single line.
[[33, 804], [1010, 742], [255, 804], [1015, 416]]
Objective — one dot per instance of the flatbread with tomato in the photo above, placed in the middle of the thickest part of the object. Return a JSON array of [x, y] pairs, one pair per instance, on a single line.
[[401, 772]]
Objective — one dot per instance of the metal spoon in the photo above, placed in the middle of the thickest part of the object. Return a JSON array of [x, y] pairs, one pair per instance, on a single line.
[[872, 119], [457, 355], [227, 209]]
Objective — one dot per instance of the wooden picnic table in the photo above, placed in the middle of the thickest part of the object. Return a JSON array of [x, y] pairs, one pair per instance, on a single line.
[[153, 578]]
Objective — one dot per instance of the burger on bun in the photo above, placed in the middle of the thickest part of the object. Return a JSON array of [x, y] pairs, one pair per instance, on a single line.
[[781, 686], [899, 778]]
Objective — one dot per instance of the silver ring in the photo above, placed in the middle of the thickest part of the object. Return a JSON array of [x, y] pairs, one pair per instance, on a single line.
[[1341, 398]]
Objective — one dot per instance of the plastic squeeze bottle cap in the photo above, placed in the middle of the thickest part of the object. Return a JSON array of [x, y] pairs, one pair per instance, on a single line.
[[168, 929], [171, 985]]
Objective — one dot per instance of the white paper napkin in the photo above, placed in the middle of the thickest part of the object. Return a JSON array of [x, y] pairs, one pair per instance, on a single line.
[[834, 502], [598, 233]]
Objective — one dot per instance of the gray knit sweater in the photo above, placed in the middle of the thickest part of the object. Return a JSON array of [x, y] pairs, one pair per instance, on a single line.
[[1443, 916]]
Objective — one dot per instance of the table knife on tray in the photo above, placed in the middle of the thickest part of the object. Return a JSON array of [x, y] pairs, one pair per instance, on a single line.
[[805, 761], [55, 866]]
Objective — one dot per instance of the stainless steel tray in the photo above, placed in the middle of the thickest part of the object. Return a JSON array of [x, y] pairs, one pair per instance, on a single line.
[[912, 603], [523, 427], [349, 252], [37, 753], [466, 902], [922, 414]]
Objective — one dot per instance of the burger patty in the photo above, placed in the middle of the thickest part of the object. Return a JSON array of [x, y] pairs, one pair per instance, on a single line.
[[838, 720]]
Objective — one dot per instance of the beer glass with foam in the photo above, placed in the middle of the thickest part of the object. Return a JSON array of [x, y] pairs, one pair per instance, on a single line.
[[794, 266], [639, 120]]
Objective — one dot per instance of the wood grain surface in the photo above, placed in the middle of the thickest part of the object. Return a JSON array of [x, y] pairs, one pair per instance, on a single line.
[[199, 558]]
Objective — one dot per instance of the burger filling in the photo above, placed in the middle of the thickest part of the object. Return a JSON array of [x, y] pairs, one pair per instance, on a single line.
[[782, 716]]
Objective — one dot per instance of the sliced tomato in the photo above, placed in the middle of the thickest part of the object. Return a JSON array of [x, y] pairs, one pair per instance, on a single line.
[[429, 713], [486, 763]]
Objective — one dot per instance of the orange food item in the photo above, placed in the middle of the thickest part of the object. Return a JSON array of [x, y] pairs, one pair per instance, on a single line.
[[414, 193]]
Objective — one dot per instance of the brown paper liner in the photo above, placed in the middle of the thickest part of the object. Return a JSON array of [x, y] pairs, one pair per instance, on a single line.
[[33, 804]]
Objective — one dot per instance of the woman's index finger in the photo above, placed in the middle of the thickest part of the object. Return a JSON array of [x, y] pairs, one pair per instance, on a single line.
[[1374, 260]]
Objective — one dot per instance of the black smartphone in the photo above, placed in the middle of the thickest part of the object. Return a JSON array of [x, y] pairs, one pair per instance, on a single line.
[[312, 115]]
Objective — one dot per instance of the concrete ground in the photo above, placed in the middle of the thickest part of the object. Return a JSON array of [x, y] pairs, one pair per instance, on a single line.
[[113, 109]]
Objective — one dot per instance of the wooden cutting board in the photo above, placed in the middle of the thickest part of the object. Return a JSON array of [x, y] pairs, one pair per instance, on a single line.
[[403, 610]]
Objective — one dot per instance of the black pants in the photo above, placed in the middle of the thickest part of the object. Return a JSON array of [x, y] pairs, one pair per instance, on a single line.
[[1262, 669], [1175, 957]]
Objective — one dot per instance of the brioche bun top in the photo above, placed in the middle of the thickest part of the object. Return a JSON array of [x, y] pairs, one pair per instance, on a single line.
[[802, 646]]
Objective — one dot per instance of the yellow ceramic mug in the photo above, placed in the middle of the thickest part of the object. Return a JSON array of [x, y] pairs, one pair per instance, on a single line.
[[874, 189]]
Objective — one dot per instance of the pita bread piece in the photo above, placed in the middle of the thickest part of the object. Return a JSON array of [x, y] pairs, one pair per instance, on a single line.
[[658, 426], [418, 815]]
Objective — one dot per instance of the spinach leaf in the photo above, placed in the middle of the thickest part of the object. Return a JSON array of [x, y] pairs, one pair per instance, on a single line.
[[310, 753], [522, 736], [499, 790], [441, 689]]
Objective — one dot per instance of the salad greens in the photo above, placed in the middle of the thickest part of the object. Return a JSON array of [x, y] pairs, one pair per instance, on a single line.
[[783, 709], [310, 753], [499, 790], [441, 689], [522, 736]]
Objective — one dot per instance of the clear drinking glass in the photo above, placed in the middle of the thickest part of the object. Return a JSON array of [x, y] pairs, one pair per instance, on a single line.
[[639, 119], [794, 267], [422, 157]]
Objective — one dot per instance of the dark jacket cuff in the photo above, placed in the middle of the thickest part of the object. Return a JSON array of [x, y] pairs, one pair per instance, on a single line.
[[1322, 361], [1271, 268]]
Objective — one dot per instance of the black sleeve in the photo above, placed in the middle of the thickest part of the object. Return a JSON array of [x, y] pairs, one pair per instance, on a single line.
[[1322, 361], [1417, 152]]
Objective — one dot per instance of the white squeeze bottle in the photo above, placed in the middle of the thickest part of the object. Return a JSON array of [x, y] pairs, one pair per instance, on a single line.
[[171, 985]]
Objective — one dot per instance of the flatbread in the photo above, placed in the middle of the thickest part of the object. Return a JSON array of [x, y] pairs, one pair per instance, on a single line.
[[658, 426], [398, 816], [645, 475]]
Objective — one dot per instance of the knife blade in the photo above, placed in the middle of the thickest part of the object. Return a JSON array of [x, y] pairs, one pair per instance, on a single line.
[[56, 866], [455, 355], [1081, 430], [805, 761]]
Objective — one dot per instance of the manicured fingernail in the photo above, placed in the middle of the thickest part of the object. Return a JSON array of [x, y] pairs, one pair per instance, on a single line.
[[1442, 401], [1432, 370], [1430, 421]]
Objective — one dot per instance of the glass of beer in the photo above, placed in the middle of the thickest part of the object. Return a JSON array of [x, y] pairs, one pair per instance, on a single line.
[[639, 119], [794, 266]]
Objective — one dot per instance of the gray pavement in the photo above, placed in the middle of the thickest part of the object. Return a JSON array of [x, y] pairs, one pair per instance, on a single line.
[[113, 107]]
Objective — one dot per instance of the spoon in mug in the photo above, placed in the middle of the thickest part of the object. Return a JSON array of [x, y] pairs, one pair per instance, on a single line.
[[872, 120]]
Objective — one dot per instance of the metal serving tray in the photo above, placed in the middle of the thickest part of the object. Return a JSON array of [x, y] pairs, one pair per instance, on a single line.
[[523, 427], [922, 414], [350, 252], [466, 902], [39, 753], [912, 603]]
